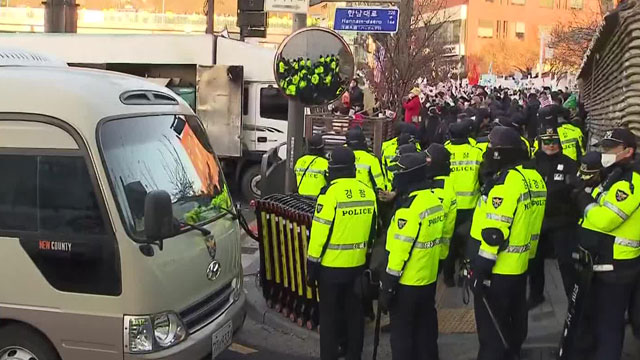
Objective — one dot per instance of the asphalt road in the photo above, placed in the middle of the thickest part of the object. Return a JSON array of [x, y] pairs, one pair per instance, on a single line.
[[259, 342]]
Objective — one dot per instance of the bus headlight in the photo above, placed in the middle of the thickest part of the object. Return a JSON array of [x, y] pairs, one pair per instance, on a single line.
[[168, 329], [145, 334]]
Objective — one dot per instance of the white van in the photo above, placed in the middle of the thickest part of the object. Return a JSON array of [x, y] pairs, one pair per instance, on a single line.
[[118, 238]]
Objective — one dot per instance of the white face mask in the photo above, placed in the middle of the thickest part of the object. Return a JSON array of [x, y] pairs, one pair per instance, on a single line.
[[608, 159]]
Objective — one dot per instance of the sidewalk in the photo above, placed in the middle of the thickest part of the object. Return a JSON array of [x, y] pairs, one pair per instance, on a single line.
[[457, 339]]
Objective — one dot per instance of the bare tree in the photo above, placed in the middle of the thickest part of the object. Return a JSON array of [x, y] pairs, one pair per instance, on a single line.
[[414, 52], [507, 56], [570, 40]]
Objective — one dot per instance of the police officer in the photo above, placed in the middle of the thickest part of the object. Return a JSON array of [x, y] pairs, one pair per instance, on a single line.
[[561, 216], [438, 170], [610, 225], [367, 165], [465, 167], [506, 222], [344, 226], [590, 171], [407, 134], [514, 122], [414, 243], [311, 169], [571, 137]]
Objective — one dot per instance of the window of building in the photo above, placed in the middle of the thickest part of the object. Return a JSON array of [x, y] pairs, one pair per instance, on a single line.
[[520, 30], [577, 4], [273, 104], [48, 193], [505, 29], [518, 2], [546, 4], [485, 28]]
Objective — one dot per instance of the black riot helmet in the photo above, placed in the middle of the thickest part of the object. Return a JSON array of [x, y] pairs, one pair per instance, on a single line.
[[356, 139], [315, 145], [342, 163], [405, 139], [438, 160], [505, 149], [409, 172], [548, 115], [402, 150], [461, 129]]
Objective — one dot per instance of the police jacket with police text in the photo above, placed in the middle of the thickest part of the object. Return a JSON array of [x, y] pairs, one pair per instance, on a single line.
[[466, 159], [343, 225], [557, 170]]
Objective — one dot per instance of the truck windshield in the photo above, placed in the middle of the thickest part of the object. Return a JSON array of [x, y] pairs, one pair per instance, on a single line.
[[163, 152]]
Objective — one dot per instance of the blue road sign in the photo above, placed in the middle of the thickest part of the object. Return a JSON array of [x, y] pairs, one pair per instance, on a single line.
[[367, 19]]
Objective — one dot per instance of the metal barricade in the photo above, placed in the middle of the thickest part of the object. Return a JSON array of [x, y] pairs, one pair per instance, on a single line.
[[284, 228]]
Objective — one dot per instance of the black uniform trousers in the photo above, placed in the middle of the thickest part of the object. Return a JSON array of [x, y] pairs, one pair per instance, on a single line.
[[561, 243], [414, 323], [457, 249], [611, 301], [341, 312], [507, 298]]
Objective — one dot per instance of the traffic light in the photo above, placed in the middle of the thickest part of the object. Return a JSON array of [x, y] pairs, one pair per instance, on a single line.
[[252, 19]]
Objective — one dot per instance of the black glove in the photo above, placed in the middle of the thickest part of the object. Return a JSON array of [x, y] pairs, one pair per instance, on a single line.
[[387, 291], [313, 270], [481, 274]]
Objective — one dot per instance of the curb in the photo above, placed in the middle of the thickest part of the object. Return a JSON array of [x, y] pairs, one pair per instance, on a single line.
[[258, 311]]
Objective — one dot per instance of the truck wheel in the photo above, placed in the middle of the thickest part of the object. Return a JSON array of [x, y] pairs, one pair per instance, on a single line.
[[19, 342], [249, 183]]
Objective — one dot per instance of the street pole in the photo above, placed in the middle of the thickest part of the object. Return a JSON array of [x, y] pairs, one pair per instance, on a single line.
[[295, 128], [210, 16], [541, 55], [60, 16]]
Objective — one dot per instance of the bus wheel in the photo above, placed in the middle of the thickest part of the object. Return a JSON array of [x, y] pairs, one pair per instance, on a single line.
[[19, 342]]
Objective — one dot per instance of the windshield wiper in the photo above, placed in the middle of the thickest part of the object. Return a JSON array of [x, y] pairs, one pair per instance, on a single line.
[[204, 231]]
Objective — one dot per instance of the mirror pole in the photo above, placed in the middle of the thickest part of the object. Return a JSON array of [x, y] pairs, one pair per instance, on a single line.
[[295, 122]]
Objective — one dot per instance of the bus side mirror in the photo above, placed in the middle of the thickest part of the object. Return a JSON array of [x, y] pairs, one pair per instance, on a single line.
[[158, 216]]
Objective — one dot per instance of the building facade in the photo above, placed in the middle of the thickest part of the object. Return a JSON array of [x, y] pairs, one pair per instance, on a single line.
[[507, 35]]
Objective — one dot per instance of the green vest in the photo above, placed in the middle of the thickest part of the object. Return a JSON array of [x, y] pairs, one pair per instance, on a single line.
[[343, 224], [368, 169], [615, 213], [443, 189], [515, 206], [311, 174], [465, 169], [420, 221]]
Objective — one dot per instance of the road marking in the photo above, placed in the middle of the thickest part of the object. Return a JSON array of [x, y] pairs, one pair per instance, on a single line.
[[240, 349]]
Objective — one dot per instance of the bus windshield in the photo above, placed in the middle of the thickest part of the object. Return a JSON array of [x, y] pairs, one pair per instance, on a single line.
[[163, 152]]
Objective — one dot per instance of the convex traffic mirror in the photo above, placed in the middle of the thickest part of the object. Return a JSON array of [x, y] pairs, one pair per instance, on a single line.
[[314, 66]]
